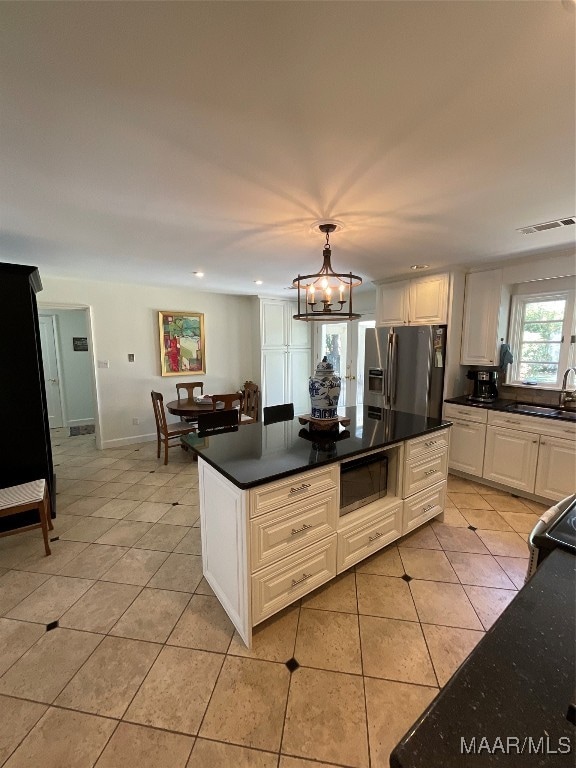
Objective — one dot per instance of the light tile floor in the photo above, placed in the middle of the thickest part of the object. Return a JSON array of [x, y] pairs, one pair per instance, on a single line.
[[145, 669]]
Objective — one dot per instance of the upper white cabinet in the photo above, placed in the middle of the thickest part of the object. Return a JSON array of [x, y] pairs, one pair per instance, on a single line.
[[274, 321], [428, 302], [486, 307], [392, 303], [278, 327], [422, 301]]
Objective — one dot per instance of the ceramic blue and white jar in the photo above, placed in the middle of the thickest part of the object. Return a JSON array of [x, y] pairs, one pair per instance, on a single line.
[[324, 388]]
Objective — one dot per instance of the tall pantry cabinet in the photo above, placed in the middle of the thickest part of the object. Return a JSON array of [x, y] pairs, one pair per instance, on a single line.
[[25, 435], [284, 354]]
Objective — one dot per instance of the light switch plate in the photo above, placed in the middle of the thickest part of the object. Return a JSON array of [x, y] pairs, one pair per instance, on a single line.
[[103, 363]]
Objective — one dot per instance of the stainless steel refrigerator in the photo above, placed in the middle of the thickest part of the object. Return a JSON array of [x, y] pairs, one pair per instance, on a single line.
[[404, 368]]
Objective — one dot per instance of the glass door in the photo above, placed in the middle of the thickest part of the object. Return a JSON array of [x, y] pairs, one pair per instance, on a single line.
[[343, 345]]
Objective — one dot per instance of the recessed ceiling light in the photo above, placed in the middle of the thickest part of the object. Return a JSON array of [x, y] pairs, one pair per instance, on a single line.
[[258, 282], [416, 267], [198, 274]]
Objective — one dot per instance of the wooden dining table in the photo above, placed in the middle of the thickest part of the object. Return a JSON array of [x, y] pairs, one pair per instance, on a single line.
[[189, 409]]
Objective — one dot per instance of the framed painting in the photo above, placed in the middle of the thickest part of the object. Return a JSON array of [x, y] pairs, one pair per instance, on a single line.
[[182, 343]]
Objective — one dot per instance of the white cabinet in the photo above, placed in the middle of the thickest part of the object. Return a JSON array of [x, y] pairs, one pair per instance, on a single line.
[[274, 321], [510, 457], [486, 306], [556, 471], [422, 301], [467, 447], [392, 303], [428, 300], [284, 355], [274, 377]]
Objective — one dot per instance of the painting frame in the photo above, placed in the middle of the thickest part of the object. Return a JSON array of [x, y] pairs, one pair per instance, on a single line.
[[175, 326]]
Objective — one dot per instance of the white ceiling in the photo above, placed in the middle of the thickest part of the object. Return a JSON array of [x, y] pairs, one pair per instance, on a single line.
[[144, 141]]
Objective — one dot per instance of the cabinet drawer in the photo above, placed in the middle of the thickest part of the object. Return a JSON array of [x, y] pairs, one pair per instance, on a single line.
[[565, 430], [269, 497], [422, 473], [284, 531], [280, 584], [374, 533], [466, 412], [426, 444], [423, 506], [513, 421]]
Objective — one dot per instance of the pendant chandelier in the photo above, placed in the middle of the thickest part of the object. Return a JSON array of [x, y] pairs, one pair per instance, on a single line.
[[326, 295]]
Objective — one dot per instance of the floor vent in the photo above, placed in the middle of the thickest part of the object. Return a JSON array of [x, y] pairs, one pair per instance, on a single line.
[[547, 225]]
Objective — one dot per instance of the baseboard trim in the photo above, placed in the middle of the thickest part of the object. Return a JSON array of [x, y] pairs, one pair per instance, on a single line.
[[121, 441]]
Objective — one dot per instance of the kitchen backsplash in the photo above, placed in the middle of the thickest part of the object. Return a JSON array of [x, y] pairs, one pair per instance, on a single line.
[[529, 394]]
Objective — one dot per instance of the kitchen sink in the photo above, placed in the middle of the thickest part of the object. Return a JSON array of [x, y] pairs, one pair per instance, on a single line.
[[541, 410]]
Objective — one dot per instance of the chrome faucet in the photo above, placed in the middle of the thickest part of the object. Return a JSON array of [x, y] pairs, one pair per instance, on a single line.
[[567, 396]]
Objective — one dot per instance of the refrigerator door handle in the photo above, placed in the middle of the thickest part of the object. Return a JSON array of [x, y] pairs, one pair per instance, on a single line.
[[393, 368], [387, 381]]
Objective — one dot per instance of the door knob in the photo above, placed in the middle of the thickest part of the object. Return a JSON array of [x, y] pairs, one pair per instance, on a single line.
[[53, 380]]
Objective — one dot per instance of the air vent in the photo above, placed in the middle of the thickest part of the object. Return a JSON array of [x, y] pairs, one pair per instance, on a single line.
[[547, 225]]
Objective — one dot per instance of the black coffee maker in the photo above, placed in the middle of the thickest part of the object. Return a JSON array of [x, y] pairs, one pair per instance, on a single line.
[[485, 386]]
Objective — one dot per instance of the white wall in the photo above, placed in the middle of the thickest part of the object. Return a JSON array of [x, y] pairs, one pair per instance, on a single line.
[[125, 320], [76, 388]]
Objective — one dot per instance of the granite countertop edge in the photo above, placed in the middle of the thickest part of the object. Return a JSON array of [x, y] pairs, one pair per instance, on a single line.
[[501, 404], [320, 463]]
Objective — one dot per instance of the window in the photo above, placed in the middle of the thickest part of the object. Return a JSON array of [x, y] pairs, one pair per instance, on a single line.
[[541, 338]]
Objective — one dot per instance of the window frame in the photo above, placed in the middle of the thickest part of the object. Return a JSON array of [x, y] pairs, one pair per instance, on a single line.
[[567, 357]]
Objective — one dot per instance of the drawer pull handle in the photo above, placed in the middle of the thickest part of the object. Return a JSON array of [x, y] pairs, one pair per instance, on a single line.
[[430, 472], [299, 530], [300, 488], [305, 576], [428, 508], [542, 442], [430, 442], [377, 535]]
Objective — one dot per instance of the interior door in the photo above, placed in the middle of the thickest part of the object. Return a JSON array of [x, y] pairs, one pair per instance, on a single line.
[[51, 372], [343, 345]]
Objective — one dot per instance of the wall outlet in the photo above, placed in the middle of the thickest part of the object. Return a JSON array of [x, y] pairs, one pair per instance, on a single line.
[[103, 363], [135, 421], [130, 357]]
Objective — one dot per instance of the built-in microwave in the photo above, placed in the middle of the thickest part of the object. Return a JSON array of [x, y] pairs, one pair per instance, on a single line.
[[362, 481]]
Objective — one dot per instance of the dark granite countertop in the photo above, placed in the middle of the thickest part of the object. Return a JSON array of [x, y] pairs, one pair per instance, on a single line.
[[502, 404], [257, 454], [518, 682]]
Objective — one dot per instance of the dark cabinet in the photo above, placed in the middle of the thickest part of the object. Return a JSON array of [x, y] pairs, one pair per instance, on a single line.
[[25, 449]]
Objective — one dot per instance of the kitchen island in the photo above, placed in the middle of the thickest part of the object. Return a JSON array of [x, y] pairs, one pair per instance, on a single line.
[[270, 504]]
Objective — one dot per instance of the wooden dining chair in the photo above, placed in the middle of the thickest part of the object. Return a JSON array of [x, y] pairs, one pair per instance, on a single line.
[[215, 422], [23, 498], [164, 431], [274, 413], [189, 388], [231, 400], [250, 402]]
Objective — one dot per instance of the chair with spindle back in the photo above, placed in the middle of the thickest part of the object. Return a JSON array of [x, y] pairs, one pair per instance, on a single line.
[[250, 402]]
